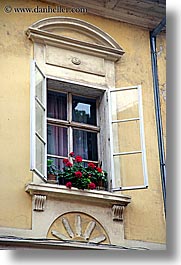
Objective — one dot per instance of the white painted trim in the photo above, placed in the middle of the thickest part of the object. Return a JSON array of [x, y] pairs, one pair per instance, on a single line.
[[32, 115], [123, 88], [130, 188], [143, 145], [127, 153], [40, 103], [111, 138], [33, 133], [142, 140], [45, 126], [125, 120]]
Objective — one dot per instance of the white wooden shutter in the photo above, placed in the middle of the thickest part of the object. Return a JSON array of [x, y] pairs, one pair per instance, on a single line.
[[129, 169], [38, 138]]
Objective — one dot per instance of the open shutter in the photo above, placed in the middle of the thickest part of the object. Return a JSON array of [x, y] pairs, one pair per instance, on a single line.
[[129, 170], [38, 138]]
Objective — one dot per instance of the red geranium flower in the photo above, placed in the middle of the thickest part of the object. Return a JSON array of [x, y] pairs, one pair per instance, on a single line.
[[92, 186], [78, 159], [71, 154], [91, 165], [69, 164], [78, 174], [99, 169], [65, 160], [69, 185]]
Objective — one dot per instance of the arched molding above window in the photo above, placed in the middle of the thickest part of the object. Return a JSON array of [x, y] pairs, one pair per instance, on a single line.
[[75, 34]]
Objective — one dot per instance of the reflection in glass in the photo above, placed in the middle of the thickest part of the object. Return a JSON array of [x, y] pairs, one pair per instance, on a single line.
[[126, 136], [128, 170], [40, 155], [39, 89], [85, 144], [124, 104], [39, 120], [84, 110]]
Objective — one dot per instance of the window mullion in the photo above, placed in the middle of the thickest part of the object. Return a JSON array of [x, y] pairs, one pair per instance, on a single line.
[[53, 121], [45, 127], [70, 131], [85, 127]]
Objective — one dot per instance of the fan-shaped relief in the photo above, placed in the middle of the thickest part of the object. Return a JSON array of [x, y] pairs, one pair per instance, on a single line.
[[78, 226]]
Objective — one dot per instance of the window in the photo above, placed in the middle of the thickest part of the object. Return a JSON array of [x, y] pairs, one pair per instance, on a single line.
[[128, 146], [38, 121], [61, 122], [71, 126], [102, 126]]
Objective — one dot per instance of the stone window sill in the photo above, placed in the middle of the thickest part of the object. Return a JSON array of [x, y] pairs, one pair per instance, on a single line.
[[90, 196]]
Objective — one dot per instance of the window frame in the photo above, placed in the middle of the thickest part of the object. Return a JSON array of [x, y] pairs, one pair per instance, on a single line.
[[33, 133], [142, 140], [103, 97], [70, 125]]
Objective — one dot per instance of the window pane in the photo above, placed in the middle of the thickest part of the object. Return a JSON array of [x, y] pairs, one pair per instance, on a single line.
[[85, 144], [126, 136], [39, 80], [57, 140], [84, 110], [40, 125], [128, 170], [40, 156], [58, 162], [57, 105], [124, 104]]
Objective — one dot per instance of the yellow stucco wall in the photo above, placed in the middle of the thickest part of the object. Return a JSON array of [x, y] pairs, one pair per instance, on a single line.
[[161, 60], [144, 218]]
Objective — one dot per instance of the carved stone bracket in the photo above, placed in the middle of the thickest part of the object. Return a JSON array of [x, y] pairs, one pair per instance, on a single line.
[[117, 212], [39, 203]]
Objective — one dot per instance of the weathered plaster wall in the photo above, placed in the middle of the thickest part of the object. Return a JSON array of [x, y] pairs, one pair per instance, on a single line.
[[161, 61], [144, 218]]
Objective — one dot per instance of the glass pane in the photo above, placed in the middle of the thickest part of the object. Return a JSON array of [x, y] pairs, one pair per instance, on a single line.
[[39, 81], [128, 170], [57, 140], [57, 105], [85, 144], [40, 125], [126, 136], [84, 110], [40, 156], [124, 104], [58, 162]]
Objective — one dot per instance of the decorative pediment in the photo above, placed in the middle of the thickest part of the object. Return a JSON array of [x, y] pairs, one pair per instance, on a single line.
[[75, 34]]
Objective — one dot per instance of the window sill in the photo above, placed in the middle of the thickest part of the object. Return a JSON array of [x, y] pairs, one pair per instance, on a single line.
[[90, 196]]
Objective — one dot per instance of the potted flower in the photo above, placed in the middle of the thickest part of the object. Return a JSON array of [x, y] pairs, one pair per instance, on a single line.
[[75, 174], [52, 171]]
